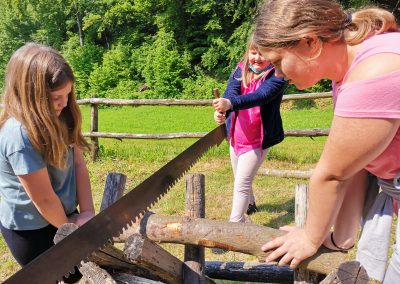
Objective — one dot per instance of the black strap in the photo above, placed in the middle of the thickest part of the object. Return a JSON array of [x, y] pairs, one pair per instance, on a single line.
[[338, 247]]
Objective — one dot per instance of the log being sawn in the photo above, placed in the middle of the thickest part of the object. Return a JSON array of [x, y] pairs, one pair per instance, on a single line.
[[240, 237]]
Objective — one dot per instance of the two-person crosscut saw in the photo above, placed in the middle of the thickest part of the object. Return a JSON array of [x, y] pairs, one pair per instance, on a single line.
[[60, 259]]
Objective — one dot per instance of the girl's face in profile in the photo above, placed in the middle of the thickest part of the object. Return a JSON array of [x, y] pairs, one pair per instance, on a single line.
[[257, 60], [295, 65], [59, 97]]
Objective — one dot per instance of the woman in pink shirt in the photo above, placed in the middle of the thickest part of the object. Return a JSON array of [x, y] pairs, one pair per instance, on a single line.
[[307, 41]]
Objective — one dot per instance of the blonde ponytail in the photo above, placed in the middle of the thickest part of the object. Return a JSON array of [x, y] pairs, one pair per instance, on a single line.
[[368, 22]]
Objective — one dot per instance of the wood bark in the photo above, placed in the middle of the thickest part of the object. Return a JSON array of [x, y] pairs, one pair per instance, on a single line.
[[285, 173], [154, 258], [94, 274], [140, 102], [301, 275], [247, 271], [94, 127], [169, 102], [124, 278], [113, 189], [288, 133], [109, 257], [315, 132], [194, 208], [121, 136], [229, 236], [349, 272]]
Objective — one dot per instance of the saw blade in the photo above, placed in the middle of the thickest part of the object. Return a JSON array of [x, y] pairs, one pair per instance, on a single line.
[[60, 259]]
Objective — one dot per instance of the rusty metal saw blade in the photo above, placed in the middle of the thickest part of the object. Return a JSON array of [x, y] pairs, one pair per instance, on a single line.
[[60, 259]]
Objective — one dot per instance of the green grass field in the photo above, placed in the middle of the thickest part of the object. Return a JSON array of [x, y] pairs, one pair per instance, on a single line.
[[139, 158]]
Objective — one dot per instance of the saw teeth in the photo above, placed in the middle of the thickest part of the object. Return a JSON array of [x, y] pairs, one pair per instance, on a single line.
[[167, 182]]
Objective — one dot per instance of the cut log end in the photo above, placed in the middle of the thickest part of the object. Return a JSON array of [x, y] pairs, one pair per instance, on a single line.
[[64, 231], [347, 273], [134, 246]]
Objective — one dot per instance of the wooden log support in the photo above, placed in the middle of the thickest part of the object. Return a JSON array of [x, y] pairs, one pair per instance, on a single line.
[[124, 278], [94, 274], [113, 189], [230, 236], [109, 256], [94, 127], [195, 208], [154, 258], [247, 271], [301, 275]]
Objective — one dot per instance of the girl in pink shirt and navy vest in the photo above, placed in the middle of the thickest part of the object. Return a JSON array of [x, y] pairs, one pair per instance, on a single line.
[[251, 109], [307, 41]]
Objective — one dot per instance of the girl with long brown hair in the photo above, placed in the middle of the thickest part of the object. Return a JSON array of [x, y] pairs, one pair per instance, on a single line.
[[43, 175]]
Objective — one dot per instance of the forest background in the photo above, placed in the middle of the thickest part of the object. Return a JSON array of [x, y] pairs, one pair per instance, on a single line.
[[142, 48]]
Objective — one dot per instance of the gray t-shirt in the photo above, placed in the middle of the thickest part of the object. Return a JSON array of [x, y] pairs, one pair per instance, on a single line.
[[18, 157]]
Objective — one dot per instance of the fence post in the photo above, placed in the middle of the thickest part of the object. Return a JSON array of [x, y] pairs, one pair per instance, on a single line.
[[94, 127], [195, 208], [302, 276]]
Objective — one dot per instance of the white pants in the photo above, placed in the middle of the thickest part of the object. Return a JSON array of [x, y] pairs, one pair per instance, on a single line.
[[245, 168]]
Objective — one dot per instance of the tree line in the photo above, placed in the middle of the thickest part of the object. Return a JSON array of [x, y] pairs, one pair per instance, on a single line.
[[140, 48]]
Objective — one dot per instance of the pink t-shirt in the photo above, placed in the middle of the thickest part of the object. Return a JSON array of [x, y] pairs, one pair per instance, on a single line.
[[247, 130], [374, 98]]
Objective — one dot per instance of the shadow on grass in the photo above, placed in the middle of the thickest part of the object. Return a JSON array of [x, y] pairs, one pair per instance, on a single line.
[[286, 218]]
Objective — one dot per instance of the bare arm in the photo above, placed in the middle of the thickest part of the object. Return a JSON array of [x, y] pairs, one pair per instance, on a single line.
[[351, 145], [39, 189], [84, 193]]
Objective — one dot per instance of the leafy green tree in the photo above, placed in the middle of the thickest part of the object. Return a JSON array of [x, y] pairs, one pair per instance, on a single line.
[[165, 66], [114, 67], [83, 60], [172, 48]]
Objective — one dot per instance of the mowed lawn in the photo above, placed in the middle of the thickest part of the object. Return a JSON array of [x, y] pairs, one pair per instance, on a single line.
[[140, 158]]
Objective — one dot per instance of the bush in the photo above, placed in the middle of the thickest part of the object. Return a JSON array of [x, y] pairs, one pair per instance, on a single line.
[[82, 60], [163, 67], [201, 87], [114, 68], [126, 89]]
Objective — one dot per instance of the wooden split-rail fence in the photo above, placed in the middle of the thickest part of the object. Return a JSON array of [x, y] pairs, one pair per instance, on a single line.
[[94, 134], [143, 260]]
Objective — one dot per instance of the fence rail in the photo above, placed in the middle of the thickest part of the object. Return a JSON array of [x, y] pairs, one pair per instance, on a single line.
[[176, 102], [288, 133], [94, 134]]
